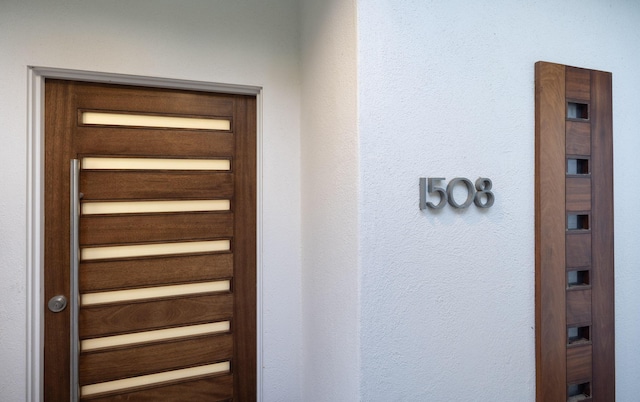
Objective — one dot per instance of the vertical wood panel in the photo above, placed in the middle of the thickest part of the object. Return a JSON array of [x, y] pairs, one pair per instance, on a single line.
[[550, 233], [579, 307], [578, 138], [579, 365], [245, 263], [578, 193], [602, 226], [60, 107], [578, 81]]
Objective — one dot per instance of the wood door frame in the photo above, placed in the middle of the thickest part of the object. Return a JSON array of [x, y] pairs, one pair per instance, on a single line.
[[35, 201]]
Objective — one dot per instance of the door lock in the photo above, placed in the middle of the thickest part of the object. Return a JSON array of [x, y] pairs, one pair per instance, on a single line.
[[57, 303]]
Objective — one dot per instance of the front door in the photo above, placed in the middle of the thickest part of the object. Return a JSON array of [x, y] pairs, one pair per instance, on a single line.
[[150, 240]]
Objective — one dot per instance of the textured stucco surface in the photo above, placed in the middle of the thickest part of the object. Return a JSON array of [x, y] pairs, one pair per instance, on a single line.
[[446, 89], [329, 201]]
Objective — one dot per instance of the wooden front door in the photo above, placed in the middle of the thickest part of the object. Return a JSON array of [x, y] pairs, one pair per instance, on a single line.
[[166, 244]]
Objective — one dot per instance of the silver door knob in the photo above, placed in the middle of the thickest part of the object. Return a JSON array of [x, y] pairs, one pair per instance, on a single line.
[[57, 303]]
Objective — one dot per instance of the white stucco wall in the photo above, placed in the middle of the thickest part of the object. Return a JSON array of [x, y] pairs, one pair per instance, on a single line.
[[446, 89], [330, 201], [235, 42]]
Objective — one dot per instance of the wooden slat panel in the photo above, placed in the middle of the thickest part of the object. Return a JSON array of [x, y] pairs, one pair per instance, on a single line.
[[115, 364], [578, 138], [578, 249], [579, 307], [108, 275], [119, 319], [602, 226], [214, 389], [99, 230], [244, 325], [578, 81], [579, 365], [58, 124], [157, 101], [108, 185], [578, 194], [139, 141], [550, 233]]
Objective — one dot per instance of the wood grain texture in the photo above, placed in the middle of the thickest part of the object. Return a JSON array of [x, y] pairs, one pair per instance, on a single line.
[[67, 138], [156, 314], [59, 106], [550, 232], [108, 275], [578, 138], [129, 141], [578, 194], [109, 97], [244, 326], [579, 364], [213, 388], [153, 185], [579, 307], [121, 363], [578, 83], [603, 239], [142, 228], [578, 249]]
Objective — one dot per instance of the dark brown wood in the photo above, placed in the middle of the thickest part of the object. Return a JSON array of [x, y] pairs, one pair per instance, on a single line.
[[602, 226], [579, 364], [68, 138], [578, 249], [578, 83], [588, 247], [579, 307], [211, 388], [108, 97], [109, 275], [578, 138], [140, 141], [120, 363], [108, 185], [58, 119], [578, 196], [156, 314], [113, 229], [550, 233], [245, 239]]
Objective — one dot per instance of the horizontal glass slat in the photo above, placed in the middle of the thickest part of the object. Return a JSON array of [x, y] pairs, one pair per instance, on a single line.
[[155, 335], [143, 250], [114, 296], [138, 207], [149, 379], [141, 120], [100, 163]]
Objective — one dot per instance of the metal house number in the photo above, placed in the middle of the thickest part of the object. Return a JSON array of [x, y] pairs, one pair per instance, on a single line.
[[480, 194]]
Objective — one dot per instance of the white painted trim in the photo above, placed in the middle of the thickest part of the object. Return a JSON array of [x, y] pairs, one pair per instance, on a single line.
[[35, 203]]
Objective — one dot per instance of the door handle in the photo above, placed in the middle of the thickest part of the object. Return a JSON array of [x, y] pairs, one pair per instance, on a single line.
[[74, 187], [57, 303]]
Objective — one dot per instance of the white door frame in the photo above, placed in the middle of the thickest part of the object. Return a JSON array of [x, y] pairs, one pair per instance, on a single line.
[[35, 201]]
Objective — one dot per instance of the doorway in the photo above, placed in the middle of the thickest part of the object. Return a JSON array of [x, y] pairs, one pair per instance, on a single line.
[[165, 243]]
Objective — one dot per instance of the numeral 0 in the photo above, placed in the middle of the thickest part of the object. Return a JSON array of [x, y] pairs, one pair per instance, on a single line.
[[475, 193]]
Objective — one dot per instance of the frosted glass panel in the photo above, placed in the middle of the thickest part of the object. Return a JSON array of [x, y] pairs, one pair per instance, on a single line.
[[153, 292], [139, 120], [95, 253], [136, 207], [157, 335], [155, 164], [154, 378]]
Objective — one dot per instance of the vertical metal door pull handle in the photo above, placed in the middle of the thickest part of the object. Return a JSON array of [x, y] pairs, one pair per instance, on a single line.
[[74, 193]]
